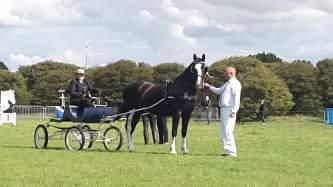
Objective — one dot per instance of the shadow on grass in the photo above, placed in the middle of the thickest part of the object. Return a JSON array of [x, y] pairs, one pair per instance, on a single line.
[[31, 147], [113, 152], [180, 153]]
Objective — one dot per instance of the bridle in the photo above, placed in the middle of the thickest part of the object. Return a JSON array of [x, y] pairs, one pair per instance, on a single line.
[[203, 74]]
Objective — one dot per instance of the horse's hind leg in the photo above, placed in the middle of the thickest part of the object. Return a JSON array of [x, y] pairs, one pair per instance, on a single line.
[[185, 121], [131, 122]]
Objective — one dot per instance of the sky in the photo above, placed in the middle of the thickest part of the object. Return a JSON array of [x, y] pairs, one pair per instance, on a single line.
[[157, 31]]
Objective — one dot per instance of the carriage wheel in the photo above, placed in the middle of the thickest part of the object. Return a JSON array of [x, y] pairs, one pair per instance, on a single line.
[[88, 136], [74, 139], [41, 137], [113, 138]]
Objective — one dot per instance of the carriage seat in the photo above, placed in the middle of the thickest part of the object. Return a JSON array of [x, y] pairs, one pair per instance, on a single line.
[[88, 115], [95, 114]]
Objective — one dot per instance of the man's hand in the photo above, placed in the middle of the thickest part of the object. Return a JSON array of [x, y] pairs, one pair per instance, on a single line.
[[232, 115], [206, 85]]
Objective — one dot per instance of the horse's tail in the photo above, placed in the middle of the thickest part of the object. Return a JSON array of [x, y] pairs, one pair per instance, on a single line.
[[129, 99], [122, 109]]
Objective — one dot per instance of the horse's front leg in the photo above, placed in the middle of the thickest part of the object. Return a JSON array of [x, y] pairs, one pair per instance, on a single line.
[[185, 120], [175, 121]]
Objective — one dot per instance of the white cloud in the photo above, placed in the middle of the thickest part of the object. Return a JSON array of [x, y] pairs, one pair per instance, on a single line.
[[146, 15], [65, 56], [23, 60], [158, 31], [29, 12], [303, 14], [185, 17], [177, 31], [6, 16]]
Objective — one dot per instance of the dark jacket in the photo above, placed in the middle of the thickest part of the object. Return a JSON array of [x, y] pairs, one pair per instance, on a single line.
[[78, 90], [261, 108]]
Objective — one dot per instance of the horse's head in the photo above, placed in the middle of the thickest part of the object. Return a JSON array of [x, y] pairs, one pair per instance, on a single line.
[[199, 69], [9, 96]]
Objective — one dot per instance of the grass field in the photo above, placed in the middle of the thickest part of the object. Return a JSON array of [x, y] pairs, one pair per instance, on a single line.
[[294, 151]]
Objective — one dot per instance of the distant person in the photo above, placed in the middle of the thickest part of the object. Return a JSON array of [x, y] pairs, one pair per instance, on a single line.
[[80, 89], [262, 112], [162, 129], [229, 102], [149, 119]]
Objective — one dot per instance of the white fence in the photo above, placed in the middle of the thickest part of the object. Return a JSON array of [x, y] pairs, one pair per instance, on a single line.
[[205, 113], [34, 111], [44, 112]]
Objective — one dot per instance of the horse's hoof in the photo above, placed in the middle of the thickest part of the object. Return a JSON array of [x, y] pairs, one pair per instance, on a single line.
[[130, 149], [173, 150], [185, 151]]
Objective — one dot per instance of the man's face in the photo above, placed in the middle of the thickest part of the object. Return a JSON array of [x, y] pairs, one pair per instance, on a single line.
[[80, 76], [229, 73]]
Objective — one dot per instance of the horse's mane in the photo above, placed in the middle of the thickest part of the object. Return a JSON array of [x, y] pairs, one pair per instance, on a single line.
[[182, 80]]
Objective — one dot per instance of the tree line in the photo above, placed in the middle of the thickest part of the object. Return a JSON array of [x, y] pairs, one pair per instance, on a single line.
[[285, 86]]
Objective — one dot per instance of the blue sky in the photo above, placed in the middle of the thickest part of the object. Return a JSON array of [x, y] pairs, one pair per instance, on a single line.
[[156, 31]]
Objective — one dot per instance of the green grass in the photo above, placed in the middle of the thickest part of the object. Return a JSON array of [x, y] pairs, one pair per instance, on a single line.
[[294, 151]]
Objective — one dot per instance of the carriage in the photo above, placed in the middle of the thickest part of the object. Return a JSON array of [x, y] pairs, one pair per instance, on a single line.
[[88, 125]]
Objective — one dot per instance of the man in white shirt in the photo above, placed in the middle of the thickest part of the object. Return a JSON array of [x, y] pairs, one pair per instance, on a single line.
[[229, 103]]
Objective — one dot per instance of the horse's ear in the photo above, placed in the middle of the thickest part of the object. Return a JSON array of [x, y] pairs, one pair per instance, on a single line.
[[194, 57], [203, 57]]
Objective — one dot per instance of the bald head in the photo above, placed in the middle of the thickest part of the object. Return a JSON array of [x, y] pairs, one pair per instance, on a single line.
[[229, 72]]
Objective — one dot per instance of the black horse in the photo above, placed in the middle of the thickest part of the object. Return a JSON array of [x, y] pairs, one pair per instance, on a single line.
[[175, 98]]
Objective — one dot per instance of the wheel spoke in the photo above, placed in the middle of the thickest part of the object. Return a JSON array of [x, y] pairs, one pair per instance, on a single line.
[[74, 139]]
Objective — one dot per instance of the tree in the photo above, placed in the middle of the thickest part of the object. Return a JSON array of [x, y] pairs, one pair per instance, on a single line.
[[258, 82], [16, 82], [167, 71], [144, 72], [3, 66], [325, 81], [301, 78], [267, 57], [45, 79], [113, 78]]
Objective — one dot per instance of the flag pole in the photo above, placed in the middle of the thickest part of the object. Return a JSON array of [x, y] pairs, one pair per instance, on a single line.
[[86, 55]]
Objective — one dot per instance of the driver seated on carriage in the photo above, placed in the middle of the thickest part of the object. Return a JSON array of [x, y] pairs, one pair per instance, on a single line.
[[80, 90]]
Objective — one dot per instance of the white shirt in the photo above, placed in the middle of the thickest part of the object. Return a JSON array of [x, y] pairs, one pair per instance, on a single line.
[[229, 94]]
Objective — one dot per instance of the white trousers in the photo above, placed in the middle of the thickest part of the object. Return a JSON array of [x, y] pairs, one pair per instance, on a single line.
[[227, 131]]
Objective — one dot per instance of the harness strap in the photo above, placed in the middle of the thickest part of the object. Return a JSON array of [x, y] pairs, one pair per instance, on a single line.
[[147, 90]]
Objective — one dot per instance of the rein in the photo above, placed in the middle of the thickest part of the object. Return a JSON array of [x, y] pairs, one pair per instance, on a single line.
[[110, 118]]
